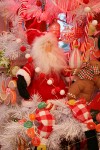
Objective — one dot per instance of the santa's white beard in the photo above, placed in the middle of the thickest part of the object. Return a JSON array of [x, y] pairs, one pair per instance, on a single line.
[[48, 62]]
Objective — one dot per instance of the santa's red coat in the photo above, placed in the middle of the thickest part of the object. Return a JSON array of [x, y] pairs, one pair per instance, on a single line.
[[38, 83]]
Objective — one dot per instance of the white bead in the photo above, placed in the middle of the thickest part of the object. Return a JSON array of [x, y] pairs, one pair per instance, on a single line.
[[49, 82], [94, 22], [87, 9], [18, 40], [27, 56], [62, 92], [37, 69]]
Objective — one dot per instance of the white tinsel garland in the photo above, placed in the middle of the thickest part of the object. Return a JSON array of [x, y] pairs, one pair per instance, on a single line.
[[10, 45], [66, 127], [8, 9]]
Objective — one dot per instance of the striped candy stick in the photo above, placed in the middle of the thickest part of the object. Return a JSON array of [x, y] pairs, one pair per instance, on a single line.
[[72, 43], [75, 58], [86, 36], [76, 42], [22, 10]]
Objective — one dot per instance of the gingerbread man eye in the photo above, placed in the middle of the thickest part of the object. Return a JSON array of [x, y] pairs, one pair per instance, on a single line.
[[15, 119]]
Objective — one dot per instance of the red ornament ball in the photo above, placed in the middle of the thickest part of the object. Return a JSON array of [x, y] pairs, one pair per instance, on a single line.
[[23, 48], [90, 18], [39, 3], [86, 1], [98, 128], [30, 59], [42, 75], [91, 125], [98, 117]]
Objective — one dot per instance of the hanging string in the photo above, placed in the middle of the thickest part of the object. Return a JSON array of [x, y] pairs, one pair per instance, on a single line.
[[43, 5]]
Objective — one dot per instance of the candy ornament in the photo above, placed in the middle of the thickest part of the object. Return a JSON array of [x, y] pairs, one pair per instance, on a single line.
[[8, 93], [36, 141], [75, 58], [32, 117], [68, 35], [30, 132], [42, 105], [41, 146], [28, 124]]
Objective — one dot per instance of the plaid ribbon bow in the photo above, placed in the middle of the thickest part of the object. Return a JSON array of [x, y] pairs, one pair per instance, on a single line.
[[88, 71]]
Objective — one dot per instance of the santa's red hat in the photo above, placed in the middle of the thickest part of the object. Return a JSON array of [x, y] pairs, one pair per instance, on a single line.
[[32, 34]]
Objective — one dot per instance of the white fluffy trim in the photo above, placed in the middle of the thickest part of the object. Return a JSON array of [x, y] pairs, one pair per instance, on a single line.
[[27, 104], [69, 79], [26, 76]]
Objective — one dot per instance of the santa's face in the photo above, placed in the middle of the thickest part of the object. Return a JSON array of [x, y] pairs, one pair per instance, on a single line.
[[47, 46], [47, 55]]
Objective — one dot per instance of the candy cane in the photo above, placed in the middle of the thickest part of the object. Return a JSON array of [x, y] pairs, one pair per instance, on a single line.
[[22, 10], [86, 35]]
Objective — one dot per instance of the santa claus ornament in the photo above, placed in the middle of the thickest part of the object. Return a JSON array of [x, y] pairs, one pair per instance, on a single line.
[[44, 75]]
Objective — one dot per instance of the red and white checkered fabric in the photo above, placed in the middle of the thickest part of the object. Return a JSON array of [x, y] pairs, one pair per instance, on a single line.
[[81, 113], [46, 121]]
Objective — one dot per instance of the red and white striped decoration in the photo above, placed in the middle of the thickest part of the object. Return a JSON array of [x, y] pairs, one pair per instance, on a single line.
[[86, 35], [67, 54], [75, 58], [75, 43], [22, 10], [67, 5]]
